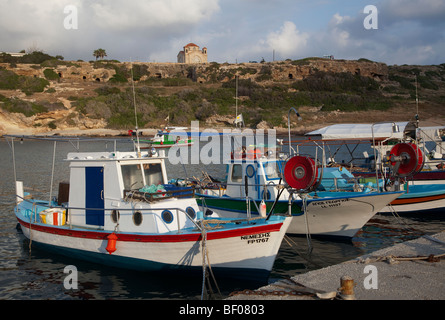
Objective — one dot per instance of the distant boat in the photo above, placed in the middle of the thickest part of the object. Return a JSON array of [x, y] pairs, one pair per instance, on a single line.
[[166, 138]]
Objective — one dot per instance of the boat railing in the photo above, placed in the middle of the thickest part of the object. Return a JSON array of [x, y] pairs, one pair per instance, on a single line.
[[327, 184], [33, 214]]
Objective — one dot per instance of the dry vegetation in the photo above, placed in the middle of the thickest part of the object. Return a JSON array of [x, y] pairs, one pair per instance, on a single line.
[[323, 95]]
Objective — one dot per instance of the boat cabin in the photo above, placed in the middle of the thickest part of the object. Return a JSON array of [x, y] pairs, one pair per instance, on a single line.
[[259, 168], [127, 191]]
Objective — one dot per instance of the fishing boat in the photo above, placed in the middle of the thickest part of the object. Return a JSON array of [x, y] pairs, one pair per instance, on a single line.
[[118, 210], [262, 179], [263, 190], [381, 138], [418, 198], [166, 138]]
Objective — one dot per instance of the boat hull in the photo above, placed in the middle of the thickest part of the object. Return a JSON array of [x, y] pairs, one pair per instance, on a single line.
[[419, 199], [339, 215], [236, 252]]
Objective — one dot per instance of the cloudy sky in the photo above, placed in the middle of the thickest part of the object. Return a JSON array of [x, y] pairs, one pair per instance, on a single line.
[[408, 31]]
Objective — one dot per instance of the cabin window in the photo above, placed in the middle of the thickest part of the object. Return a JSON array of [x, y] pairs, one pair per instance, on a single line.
[[237, 173], [135, 178], [153, 174], [132, 176], [271, 170]]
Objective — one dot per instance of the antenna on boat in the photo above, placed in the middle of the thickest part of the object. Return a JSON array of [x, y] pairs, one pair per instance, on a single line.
[[135, 113], [288, 125], [417, 103]]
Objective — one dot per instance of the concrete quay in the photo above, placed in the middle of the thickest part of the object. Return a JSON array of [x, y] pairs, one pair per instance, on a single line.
[[412, 270]]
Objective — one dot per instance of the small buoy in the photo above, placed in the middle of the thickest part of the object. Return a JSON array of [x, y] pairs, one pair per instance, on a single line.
[[111, 246], [263, 208]]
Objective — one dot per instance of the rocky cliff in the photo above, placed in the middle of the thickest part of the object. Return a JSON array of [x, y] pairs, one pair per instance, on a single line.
[[78, 94]]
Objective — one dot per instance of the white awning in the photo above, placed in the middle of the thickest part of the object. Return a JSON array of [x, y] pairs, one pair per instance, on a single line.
[[348, 131]]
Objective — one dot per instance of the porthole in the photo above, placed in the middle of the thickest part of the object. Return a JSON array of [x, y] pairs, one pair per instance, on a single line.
[[250, 171], [167, 216], [115, 215], [191, 212], [137, 218]]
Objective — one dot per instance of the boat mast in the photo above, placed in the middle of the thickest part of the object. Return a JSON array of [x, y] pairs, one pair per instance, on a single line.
[[417, 104], [135, 113]]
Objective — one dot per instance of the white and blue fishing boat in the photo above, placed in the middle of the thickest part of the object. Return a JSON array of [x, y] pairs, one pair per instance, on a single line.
[[418, 197], [262, 180], [118, 209], [381, 138], [259, 185]]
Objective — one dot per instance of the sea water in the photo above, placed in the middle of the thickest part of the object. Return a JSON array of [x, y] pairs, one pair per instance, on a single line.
[[31, 273]]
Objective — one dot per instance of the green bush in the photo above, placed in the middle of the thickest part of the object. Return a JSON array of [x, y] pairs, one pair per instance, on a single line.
[[29, 85], [50, 74], [20, 106], [405, 83], [36, 57], [8, 80], [118, 78], [11, 81], [426, 83], [106, 90]]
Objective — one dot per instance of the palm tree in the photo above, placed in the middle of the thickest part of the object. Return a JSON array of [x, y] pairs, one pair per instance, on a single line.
[[99, 53]]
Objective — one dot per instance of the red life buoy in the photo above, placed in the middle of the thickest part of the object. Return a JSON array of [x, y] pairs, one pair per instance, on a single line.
[[301, 173], [111, 246], [410, 157], [254, 154]]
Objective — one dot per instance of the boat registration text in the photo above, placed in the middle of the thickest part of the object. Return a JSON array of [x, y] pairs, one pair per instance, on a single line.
[[257, 238], [329, 203]]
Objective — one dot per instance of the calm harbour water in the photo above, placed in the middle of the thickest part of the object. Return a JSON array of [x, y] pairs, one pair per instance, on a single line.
[[35, 274]]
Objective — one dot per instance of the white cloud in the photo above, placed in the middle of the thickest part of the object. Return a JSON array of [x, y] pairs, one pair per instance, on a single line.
[[232, 30], [123, 15], [288, 41]]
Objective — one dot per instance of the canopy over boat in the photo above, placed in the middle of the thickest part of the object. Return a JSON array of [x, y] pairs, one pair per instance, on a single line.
[[350, 131]]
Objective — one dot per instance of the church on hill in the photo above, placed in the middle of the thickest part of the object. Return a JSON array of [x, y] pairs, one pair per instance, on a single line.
[[192, 54]]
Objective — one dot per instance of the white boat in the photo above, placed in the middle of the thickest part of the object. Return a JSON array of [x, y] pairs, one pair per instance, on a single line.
[[418, 197], [382, 137], [166, 138], [330, 214], [118, 210]]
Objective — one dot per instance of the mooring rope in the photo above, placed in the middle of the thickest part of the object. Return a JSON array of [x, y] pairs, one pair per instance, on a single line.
[[203, 252]]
